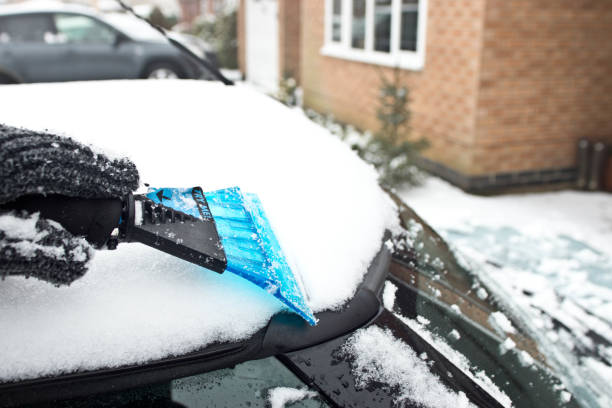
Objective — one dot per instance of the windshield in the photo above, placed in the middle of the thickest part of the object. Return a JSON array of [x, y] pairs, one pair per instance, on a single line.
[[446, 304]]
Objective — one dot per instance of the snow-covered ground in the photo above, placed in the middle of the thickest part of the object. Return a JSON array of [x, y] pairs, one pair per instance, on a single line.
[[561, 240], [548, 257]]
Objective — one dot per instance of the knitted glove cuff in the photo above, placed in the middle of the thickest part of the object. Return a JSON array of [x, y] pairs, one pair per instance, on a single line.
[[32, 246], [41, 163]]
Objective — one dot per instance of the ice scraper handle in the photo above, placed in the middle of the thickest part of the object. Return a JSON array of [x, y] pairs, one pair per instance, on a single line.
[[137, 219], [91, 218]]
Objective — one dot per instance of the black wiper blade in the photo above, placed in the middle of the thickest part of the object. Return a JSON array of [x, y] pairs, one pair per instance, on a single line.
[[202, 62]]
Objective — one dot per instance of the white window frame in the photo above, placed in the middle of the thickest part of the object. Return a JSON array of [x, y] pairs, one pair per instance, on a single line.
[[412, 60]]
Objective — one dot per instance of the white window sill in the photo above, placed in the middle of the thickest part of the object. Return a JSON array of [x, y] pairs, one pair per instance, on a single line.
[[406, 60]]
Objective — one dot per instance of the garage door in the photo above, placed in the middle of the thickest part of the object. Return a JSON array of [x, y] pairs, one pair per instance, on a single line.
[[262, 44]]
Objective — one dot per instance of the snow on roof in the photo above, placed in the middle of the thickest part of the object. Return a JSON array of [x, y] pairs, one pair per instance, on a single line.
[[136, 304]]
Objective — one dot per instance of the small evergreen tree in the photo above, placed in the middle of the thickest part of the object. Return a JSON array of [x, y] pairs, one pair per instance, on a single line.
[[222, 34], [157, 17], [391, 149]]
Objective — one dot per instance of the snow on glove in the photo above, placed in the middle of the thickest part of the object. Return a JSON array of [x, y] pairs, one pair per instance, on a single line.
[[42, 163]]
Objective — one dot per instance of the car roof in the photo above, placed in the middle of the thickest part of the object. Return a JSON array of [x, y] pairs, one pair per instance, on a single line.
[[45, 7], [125, 23]]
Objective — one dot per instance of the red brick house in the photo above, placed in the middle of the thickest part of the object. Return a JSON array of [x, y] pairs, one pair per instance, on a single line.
[[502, 89]]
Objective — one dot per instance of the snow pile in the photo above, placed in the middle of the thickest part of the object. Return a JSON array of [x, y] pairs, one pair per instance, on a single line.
[[278, 397], [525, 358], [507, 345], [379, 357], [388, 296], [454, 335], [501, 323], [136, 304]]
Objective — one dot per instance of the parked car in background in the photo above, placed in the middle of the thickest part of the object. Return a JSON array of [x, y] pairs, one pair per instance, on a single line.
[[60, 42]]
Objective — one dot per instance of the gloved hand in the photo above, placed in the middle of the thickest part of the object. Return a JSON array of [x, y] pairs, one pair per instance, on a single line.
[[34, 163]]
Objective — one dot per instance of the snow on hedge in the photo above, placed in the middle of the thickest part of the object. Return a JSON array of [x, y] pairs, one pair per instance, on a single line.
[[137, 304]]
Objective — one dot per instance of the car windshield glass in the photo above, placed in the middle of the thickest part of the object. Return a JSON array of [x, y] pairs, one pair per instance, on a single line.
[[250, 384], [426, 252], [437, 296]]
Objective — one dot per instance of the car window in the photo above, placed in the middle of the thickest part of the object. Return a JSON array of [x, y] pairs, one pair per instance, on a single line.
[[25, 28], [74, 28], [245, 385]]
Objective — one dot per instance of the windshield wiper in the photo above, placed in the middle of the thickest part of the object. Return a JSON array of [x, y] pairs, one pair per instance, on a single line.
[[201, 61]]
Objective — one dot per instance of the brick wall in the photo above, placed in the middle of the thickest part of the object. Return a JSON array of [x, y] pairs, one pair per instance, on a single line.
[[289, 23], [444, 93], [190, 9], [546, 81], [508, 87]]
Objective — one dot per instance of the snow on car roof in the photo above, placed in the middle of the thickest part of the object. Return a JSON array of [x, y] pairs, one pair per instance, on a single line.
[[136, 304], [45, 6], [126, 23]]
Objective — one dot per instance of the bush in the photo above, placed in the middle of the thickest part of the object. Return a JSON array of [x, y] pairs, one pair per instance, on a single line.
[[221, 34], [157, 17], [391, 150]]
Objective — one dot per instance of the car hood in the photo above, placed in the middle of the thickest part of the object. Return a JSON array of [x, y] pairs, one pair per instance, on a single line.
[[136, 304]]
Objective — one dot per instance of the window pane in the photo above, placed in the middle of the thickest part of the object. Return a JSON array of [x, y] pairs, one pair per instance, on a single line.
[[337, 20], [358, 37], [25, 28], [410, 16], [245, 385], [74, 28], [382, 25]]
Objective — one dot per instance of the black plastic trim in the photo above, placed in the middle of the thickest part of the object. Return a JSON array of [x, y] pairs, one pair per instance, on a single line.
[[288, 332]]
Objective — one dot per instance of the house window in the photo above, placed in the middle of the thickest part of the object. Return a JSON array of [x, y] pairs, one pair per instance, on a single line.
[[337, 21], [358, 24], [382, 25], [410, 20], [383, 32]]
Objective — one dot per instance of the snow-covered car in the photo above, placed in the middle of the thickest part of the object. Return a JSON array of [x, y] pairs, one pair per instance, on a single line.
[[50, 42], [400, 321]]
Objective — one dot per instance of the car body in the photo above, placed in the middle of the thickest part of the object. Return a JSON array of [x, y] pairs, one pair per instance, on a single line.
[[435, 312], [67, 43]]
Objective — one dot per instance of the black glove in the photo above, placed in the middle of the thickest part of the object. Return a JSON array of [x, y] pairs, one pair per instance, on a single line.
[[40, 163]]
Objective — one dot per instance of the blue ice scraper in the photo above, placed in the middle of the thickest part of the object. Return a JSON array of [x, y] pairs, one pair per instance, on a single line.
[[223, 230]]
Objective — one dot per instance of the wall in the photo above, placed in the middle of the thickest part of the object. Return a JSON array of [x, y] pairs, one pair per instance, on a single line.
[[444, 93], [289, 27], [546, 80]]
